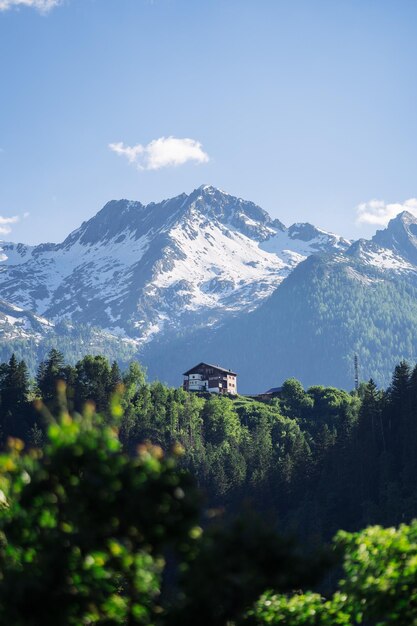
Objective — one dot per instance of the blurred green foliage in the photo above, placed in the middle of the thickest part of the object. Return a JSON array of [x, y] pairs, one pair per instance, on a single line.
[[313, 460], [379, 587], [308, 609], [381, 575], [99, 524], [84, 527], [85, 531]]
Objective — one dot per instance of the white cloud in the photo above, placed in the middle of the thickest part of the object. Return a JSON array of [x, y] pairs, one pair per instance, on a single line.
[[378, 213], [130, 152], [41, 5], [5, 222], [162, 152]]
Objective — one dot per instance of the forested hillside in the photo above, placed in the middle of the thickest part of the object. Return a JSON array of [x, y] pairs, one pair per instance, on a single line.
[[311, 327], [75, 341], [93, 535], [208, 276], [314, 460]]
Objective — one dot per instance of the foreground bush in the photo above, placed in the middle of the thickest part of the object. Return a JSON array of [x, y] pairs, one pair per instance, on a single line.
[[85, 530], [379, 587]]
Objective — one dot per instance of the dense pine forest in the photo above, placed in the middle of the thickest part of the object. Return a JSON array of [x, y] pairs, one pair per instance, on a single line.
[[128, 502], [313, 461]]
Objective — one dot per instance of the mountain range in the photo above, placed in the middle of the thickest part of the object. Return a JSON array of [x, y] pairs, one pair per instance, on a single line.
[[208, 276]]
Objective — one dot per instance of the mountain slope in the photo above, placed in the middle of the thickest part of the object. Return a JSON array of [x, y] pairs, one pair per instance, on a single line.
[[137, 270], [214, 277], [16, 323], [30, 337], [329, 308]]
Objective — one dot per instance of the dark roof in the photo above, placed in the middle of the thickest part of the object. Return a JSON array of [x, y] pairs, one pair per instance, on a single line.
[[216, 367], [272, 390]]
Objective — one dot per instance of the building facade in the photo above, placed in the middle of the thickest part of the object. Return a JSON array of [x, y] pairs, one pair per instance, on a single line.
[[211, 378]]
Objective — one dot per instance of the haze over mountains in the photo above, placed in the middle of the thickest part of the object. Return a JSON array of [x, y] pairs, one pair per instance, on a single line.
[[208, 276]]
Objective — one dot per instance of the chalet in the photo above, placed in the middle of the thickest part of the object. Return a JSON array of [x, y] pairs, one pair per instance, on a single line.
[[274, 392], [211, 378]]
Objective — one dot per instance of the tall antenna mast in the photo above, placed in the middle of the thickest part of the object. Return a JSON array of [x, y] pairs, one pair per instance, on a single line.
[[356, 365]]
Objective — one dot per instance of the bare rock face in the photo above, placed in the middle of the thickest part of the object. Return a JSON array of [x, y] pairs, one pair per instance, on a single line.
[[208, 276], [138, 270]]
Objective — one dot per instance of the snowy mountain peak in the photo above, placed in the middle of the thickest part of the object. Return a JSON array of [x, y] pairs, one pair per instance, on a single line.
[[138, 269], [403, 222], [400, 236], [405, 217], [392, 249], [210, 189], [236, 213], [321, 239], [111, 220]]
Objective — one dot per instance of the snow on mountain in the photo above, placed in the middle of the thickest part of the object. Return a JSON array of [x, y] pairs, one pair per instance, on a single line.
[[400, 236], [16, 323], [14, 253], [371, 254], [301, 240], [360, 301], [137, 269], [393, 249]]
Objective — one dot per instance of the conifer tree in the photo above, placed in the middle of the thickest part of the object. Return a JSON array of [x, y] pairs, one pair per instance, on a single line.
[[115, 374], [398, 415], [50, 371], [370, 441], [14, 397], [94, 382]]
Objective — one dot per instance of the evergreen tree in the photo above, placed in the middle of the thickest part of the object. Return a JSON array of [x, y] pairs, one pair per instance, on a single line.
[[370, 444], [398, 416], [410, 443], [14, 397], [295, 401], [94, 383], [50, 372], [115, 375]]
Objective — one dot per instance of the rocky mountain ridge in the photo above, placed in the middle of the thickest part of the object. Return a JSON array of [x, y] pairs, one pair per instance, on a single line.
[[136, 270], [331, 307], [211, 276]]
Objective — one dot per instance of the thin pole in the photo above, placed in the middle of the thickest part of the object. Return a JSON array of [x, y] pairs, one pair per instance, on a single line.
[[356, 363]]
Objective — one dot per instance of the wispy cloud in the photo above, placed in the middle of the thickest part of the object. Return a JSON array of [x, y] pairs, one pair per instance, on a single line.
[[162, 152], [40, 5], [379, 213], [5, 223]]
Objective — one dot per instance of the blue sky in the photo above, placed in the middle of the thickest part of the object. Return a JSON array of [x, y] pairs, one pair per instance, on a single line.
[[308, 108]]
